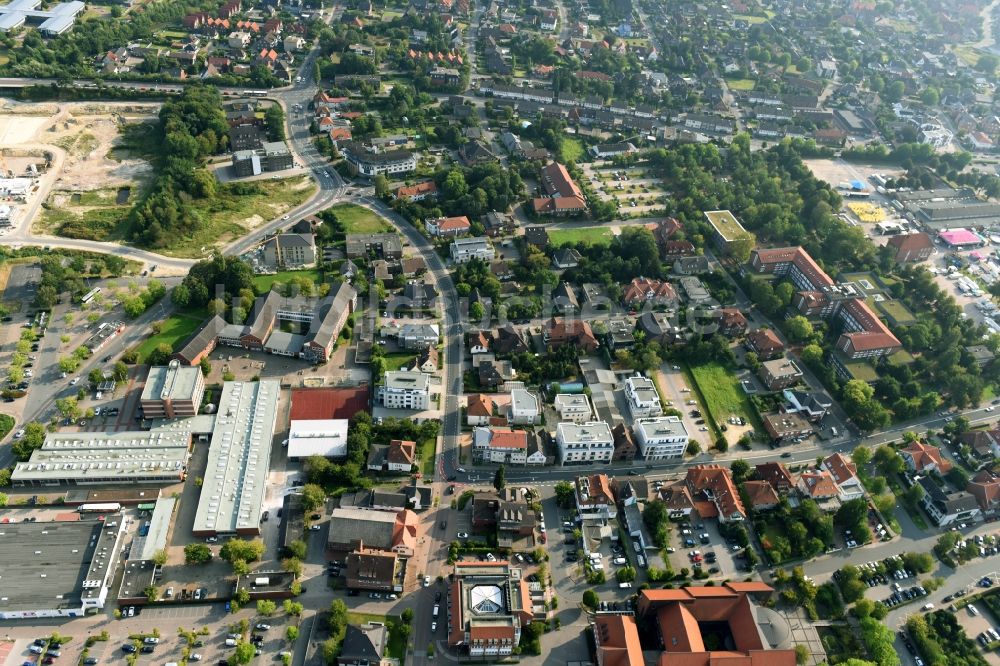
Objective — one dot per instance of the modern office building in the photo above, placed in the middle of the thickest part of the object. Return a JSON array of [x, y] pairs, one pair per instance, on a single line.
[[643, 400], [584, 442], [232, 493], [661, 438], [363, 162], [172, 391], [467, 249], [405, 390]]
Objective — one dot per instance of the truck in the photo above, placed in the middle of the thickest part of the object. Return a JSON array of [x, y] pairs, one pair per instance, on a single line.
[[261, 581]]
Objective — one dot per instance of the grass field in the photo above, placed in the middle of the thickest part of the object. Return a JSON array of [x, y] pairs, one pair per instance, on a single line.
[[175, 330], [263, 283], [6, 424], [749, 19], [741, 84], [359, 220], [591, 235], [966, 54], [722, 394], [570, 149], [398, 360]]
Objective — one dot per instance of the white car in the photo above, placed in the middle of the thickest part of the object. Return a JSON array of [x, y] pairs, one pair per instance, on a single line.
[[427, 581], [434, 627], [285, 217], [315, 528], [19, 434], [74, 381], [463, 535]]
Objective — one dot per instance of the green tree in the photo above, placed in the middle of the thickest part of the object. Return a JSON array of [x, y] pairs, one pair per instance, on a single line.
[[381, 186], [565, 494], [293, 608], [291, 633], [798, 328], [197, 553], [802, 654], [590, 599], [160, 557], [244, 652], [242, 549], [499, 478], [861, 456], [266, 607], [297, 549], [313, 497], [740, 470]]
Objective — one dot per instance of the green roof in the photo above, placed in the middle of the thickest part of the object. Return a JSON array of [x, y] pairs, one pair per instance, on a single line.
[[725, 224], [897, 313]]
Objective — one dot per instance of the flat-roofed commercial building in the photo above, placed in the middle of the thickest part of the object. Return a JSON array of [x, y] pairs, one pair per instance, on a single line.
[[663, 437], [727, 229], [232, 494], [172, 391], [406, 390], [320, 437], [57, 569], [80, 458]]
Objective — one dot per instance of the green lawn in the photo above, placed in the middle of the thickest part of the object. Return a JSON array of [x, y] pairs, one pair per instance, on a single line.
[[749, 19], [358, 220], [6, 424], [741, 84], [571, 149], [722, 394], [175, 330], [425, 452], [263, 283], [398, 360], [591, 235]]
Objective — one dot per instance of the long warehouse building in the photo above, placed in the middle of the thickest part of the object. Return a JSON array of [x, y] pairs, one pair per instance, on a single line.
[[80, 458], [232, 492]]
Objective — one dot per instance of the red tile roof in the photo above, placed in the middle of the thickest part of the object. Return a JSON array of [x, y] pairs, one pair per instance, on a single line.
[[719, 482], [424, 188], [760, 493], [925, 456], [798, 257], [818, 485], [480, 404], [841, 469], [617, 640], [509, 439], [776, 474], [875, 335]]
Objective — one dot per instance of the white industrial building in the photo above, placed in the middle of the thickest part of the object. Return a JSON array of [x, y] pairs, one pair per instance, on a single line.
[[317, 437], [232, 492]]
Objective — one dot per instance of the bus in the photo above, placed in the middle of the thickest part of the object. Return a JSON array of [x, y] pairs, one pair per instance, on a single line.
[[90, 295], [254, 93], [102, 507]]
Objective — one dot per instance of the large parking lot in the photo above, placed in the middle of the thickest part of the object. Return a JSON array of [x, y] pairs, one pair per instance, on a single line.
[[636, 189], [698, 545]]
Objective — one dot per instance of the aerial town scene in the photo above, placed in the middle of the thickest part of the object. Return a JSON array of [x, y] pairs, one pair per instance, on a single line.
[[542, 332]]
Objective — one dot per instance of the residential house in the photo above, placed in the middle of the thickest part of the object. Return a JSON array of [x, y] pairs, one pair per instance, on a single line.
[[566, 258], [418, 192], [564, 196], [654, 292], [373, 569], [498, 224], [474, 153], [396, 456], [812, 405], [428, 360], [732, 322], [779, 374], [985, 444], [573, 408], [947, 508], [776, 474], [564, 298], [784, 428], [503, 446], [817, 485], [418, 336], [524, 408], [479, 410], [714, 493], [624, 441], [479, 342], [290, 250], [419, 294], [405, 390], [493, 373], [466, 249], [985, 487], [363, 645], [594, 498], [537, 237], [561, 331], [761, 495], [509, 340], [765, 343], [845, 475], [921, 457]]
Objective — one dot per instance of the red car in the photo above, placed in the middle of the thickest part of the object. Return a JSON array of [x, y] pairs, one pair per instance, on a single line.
[[696, 558]]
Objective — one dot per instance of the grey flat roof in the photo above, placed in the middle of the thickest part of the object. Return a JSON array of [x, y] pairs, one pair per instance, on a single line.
[[669, 426], [159, 527], [84, 457], [232, 493], [415, 381], [171, 382], [43, 566], [285, 343]]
